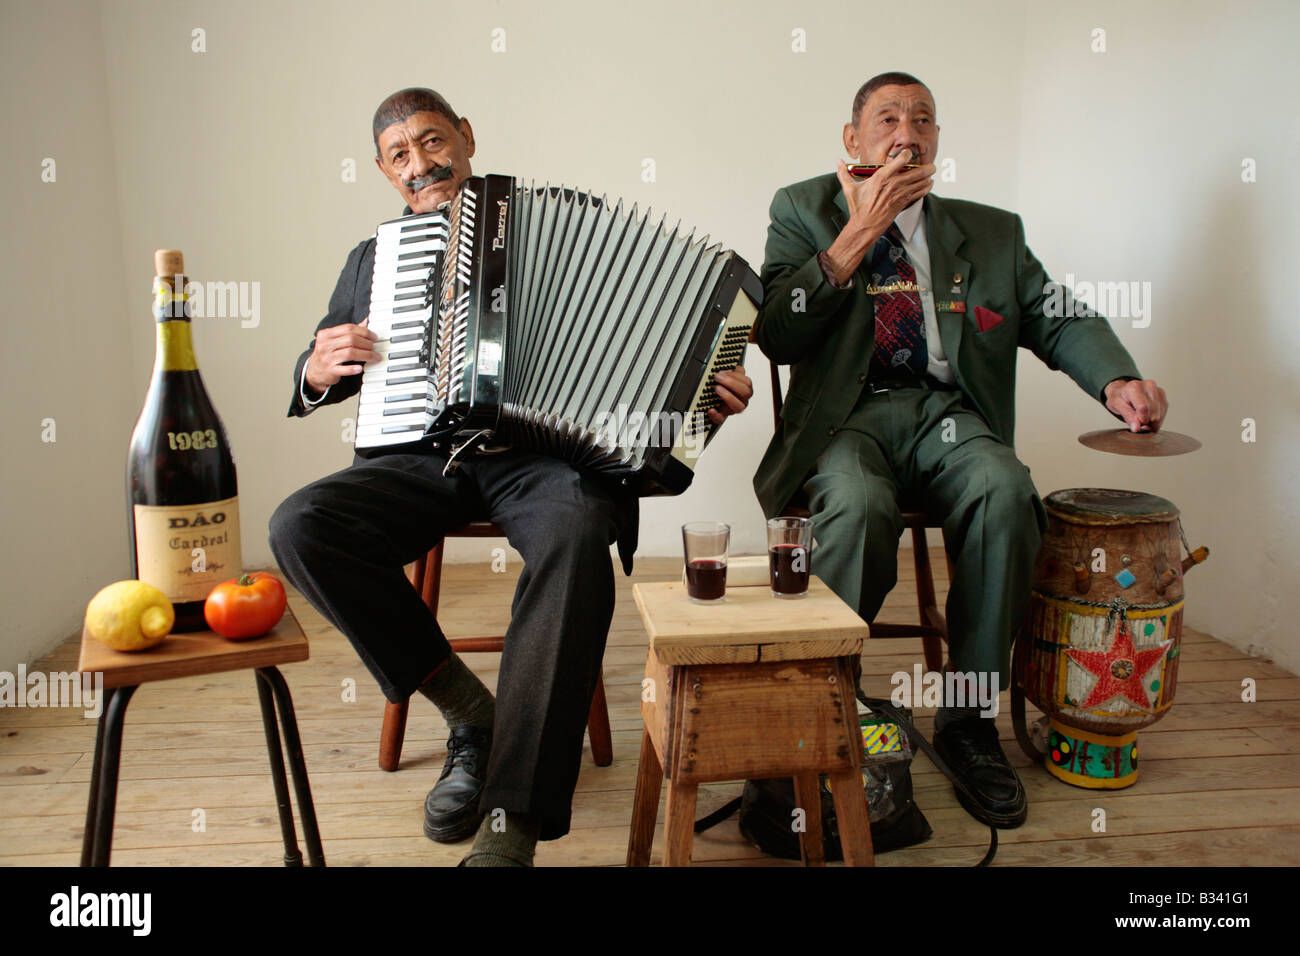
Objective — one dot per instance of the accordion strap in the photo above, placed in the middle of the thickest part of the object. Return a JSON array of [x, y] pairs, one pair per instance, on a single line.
[[480, 436]]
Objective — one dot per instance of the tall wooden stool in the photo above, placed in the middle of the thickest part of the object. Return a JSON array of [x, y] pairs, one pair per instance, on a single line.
[[753, 687], [190, 655]]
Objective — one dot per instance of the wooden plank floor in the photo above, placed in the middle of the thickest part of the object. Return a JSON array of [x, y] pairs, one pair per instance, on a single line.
[[1220, 779]]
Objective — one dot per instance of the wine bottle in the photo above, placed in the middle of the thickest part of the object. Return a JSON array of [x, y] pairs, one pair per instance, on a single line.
[[182, 496]]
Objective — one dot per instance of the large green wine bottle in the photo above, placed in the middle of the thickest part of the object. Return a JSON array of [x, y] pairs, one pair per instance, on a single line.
[[182, 496]]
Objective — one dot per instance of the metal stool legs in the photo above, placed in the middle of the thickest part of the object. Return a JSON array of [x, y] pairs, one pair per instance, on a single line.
[[97, 839], [270, 681]]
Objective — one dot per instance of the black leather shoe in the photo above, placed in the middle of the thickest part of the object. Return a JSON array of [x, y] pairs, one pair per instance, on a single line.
[[970, 748], [451, 811]]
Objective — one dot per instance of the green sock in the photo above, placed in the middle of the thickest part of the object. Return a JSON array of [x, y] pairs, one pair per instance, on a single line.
[[511, 844], [460, 695]]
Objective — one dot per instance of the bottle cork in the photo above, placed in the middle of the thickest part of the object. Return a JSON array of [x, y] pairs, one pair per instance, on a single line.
[[169, 262]]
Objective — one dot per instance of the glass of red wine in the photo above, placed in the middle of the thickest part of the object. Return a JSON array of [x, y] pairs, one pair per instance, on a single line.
[[789, 556], [705, 544]]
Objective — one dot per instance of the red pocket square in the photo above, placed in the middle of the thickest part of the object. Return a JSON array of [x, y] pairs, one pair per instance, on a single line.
[[987, 319]]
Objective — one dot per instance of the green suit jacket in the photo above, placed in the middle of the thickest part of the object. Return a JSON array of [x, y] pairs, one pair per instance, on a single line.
[[984, 276]]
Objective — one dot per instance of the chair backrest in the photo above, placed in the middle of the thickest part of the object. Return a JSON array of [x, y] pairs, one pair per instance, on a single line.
[[777, 401]]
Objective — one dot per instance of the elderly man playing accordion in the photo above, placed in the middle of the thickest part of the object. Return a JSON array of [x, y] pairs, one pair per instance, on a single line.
[[343, 542]]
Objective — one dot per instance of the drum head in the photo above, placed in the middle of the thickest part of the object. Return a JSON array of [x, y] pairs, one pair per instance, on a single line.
[[1121, 441], [1109, 506]]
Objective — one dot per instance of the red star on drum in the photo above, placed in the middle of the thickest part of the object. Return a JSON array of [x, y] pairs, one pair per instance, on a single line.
[[1120, 670]]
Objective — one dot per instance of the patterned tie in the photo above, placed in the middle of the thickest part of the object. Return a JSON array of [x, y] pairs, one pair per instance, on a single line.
[[900, 323]]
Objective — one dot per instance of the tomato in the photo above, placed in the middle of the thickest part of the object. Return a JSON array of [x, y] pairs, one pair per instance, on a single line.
[[246, 606]]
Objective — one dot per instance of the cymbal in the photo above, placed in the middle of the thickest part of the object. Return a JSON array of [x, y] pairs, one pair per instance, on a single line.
[[1121, 441]]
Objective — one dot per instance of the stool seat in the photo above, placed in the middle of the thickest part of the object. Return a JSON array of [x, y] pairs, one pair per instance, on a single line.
[[750, 626], [193, 654]]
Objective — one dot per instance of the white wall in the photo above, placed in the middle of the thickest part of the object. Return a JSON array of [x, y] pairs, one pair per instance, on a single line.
[[1124, 165], [66, 352], [1131, 169], [261, 122]]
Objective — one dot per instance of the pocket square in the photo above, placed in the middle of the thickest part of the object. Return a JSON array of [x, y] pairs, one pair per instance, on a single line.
[[987, 319]]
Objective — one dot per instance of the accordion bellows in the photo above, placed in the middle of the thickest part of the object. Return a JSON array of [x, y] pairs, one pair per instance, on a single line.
[[549, 319]]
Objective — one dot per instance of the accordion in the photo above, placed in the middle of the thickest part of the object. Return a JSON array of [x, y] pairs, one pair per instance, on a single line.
[[545, 318]]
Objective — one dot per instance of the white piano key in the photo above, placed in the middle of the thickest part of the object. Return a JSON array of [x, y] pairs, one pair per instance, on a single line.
[[378, 378], [416, 418]]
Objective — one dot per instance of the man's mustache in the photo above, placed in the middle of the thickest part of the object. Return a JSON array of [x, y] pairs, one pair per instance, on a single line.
[[436, 176]]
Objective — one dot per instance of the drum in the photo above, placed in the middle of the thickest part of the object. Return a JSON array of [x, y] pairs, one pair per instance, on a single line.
[[1099, 648]]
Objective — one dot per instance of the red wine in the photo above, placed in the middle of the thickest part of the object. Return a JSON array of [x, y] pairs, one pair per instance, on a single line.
[[706, 579], [182, 495], [789, 566]]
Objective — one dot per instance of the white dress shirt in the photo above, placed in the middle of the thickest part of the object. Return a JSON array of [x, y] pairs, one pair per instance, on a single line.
[[302, 391]]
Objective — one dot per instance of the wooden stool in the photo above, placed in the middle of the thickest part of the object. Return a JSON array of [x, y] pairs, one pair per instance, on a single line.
[[189, 655], [753, 687]]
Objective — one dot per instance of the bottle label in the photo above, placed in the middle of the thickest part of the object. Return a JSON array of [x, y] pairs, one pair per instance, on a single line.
[[187, 550]]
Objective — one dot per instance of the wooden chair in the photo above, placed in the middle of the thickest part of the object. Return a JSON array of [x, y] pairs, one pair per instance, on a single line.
[[426, 578], [933, 627]]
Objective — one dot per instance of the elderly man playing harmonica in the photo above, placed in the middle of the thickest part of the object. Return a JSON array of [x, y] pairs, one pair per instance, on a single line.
[[343, 541], [902, 315]]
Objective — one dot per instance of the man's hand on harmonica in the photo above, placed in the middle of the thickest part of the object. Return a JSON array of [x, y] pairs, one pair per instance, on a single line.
[[336, 347], [876, 201], [735, 390]]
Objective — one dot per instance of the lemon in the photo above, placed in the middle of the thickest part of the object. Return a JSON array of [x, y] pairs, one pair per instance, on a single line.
[[130, 616]]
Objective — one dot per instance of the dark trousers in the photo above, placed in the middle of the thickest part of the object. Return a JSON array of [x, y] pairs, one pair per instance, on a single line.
[[343, 542]]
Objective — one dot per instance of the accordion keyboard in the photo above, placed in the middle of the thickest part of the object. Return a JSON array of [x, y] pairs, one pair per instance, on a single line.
[[394, 407]]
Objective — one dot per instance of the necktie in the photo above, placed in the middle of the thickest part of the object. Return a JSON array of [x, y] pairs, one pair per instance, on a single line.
[[900, 324]]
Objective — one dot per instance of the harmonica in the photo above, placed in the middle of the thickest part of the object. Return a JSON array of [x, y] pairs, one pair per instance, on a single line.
[[865, 170]]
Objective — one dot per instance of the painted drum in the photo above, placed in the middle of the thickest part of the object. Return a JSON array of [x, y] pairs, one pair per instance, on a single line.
[[1099, 648]]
